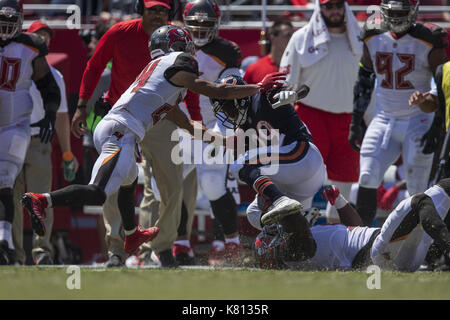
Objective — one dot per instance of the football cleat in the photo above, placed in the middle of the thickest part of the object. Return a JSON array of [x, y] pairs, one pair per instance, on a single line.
[[43, 258], [35, 204], [183, 255], [134, 240], [330, 193], [280, 208], [216, 256], [7, 256], [164, 259], [232, 253], [114, 261]]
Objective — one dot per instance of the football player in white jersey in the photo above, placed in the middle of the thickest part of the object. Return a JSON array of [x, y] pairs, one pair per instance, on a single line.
[[153, 97], [22, 60], [216, 57], [403, 56], [401, 244]]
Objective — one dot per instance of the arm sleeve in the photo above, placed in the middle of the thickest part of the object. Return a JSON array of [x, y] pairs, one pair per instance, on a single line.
[[289, 63], [184, 62], [102, 55]]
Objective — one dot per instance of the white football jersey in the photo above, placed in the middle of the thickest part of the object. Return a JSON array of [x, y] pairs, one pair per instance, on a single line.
[[337, 246], [16, 69], [151, 95], [401, 66], [216, 59]]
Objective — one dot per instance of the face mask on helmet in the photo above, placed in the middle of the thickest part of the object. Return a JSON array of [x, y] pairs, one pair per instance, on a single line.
[[170, 39], [231, 113], [398, 16], [202, 19], [10, 23], [202, 31]]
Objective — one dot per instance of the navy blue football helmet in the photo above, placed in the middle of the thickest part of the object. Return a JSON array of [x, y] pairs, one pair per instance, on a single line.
[[232, 113]]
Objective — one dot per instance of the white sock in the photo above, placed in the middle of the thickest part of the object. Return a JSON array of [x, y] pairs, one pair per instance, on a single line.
[[127, 233], [219, 244], [185, 243], [233, 240], [5, 233], [49, 200]]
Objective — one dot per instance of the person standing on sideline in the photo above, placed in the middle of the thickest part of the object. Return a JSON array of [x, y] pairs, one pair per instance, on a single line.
[[325, 54], [279, 34]]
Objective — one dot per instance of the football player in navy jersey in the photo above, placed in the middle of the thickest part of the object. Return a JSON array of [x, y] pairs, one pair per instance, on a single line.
[[283, 172]]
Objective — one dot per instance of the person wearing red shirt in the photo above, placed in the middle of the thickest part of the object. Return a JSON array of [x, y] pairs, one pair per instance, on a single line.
[[126, 44], [279, 34]]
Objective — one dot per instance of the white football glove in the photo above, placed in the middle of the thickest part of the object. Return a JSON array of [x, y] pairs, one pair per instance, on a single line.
[[284, 97]]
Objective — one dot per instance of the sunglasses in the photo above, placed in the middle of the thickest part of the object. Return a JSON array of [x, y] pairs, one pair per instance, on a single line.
[[159, 10], [337, 5]]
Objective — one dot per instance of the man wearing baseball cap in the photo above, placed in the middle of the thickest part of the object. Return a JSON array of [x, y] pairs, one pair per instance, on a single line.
[[326, 54], [36, 172]]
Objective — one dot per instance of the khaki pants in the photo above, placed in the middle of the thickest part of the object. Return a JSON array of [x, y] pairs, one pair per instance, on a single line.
[[157, 147], [190, 198], [156, 151], [36, 176], [149, 208], [115, 236]]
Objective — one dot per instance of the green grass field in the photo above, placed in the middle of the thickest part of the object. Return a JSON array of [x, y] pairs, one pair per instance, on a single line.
[[188, 284]]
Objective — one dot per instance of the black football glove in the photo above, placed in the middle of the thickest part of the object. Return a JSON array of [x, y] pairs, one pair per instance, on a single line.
[[47, 126], [430, 140], [101, 108], [356, 132]]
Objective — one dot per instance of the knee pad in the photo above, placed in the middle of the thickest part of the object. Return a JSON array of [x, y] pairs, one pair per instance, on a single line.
[[370, 173], [213, 184], [8, 174], [368, 180]]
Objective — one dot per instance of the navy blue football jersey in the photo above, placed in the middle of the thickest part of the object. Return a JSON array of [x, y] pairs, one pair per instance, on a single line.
[[261, 115]]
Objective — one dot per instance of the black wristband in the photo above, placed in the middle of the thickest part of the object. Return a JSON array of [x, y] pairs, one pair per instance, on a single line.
[[82, 106]]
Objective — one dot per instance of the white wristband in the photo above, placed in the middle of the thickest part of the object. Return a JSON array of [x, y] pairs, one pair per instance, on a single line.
[[340, 202]]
